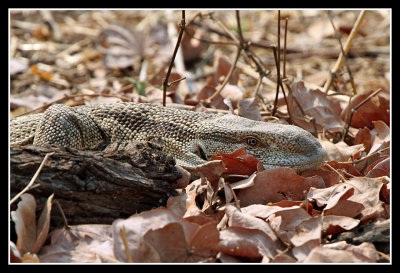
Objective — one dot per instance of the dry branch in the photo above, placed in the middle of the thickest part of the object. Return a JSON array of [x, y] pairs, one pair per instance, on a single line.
[[96, 186]]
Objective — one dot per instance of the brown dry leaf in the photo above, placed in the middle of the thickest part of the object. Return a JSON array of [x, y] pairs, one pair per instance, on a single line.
[[364, 137], [382, 137], [212, 170], [340, 151], [330, 177], [192, 48], [159, 76], [305, 231], [136, 227], [367, 192], [25, 223], [236, 218], [285, 220], [348, 167], [238, 162], [382, 168], [301, 252], [222, 69], [43, 225], [248, 108], [278, 184], [79, 244], [245, 183], [333, 224], [342, 252], [315, 104], [377, 108], [170, 245], [243, 242]]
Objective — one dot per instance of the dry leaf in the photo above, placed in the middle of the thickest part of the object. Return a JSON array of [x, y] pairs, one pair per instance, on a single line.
[[333, 224], [237, 241], [25, 223], [278, 184], [248, 108], [238, 162], [315, 104], [137, 226], [340, 151], [377, 108], [79, 244]]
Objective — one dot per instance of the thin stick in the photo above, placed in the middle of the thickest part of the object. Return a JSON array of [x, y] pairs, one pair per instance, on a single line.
[[366, 157], [33, 179], [356, 108], [284, 49], [344, 55], [178, 42], [233, 66], [347, 46], [62, 214], [336, 171]]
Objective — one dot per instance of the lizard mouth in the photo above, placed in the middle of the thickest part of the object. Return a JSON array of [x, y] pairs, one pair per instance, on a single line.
[[308, 163]]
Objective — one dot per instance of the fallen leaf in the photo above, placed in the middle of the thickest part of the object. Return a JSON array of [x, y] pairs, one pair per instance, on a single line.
[[340, 151], [171, 246], [79, 244], [333, 224], [137, 225], [238, 162], [236, 218], [364, 137], [314, 104], [323, 254], [305, 231], [25, 223], [43, 225], [382, 168], [242, 242], [278, 184], [248, 108], [376, 108], [212, 170]]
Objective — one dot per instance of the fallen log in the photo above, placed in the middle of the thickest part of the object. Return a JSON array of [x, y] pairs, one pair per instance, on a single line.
[[96, 185]]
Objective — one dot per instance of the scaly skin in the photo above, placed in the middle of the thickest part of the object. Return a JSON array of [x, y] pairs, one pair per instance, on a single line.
[[191, 137]]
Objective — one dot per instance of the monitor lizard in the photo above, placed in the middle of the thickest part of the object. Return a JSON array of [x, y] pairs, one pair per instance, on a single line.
[[190, 137]]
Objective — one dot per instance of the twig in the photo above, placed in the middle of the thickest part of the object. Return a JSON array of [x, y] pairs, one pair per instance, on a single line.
[[343, 53], [358, 106], [233, 66], [33, 179], [347, 46], [62, 214], [366, 157], [284, 49], [336, 171], [178, 42]]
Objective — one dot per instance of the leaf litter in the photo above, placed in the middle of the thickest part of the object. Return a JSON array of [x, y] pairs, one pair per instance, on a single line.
[[236, 211]]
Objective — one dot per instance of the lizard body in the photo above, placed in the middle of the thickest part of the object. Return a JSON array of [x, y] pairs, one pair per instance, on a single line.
[[191, 137]]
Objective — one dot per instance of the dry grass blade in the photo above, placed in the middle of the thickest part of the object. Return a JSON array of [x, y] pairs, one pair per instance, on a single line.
[[28, 187], [347, 46]]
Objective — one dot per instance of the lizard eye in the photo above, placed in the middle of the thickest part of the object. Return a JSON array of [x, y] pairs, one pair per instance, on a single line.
[[252, 142]]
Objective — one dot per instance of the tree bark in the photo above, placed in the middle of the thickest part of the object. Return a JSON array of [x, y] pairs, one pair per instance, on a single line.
[[96, 186]]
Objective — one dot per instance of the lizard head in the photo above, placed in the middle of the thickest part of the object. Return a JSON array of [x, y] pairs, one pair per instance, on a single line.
[[275, 145]]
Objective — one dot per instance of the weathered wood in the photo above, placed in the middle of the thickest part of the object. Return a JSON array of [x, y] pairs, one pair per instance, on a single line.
[[96, 186]]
